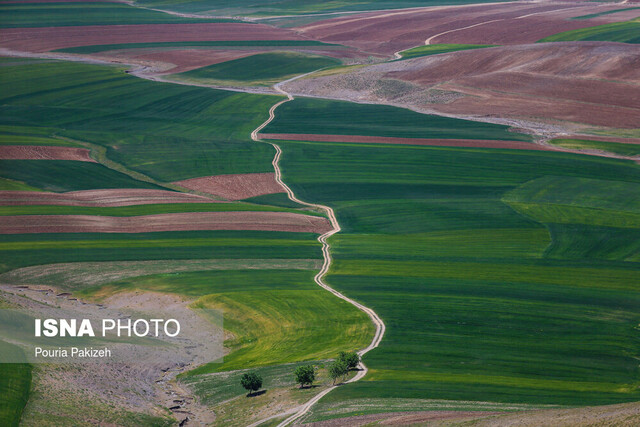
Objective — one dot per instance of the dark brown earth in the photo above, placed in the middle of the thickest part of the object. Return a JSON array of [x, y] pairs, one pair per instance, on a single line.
[[100, 198], [267, 221], [43, 152], [235, 186]]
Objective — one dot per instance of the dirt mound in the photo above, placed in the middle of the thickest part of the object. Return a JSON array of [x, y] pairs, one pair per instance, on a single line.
[[235, 186], [43, 152], [478, 143], [51, 38], [594, 83], [506, 24], [266, 221], [99, 198]]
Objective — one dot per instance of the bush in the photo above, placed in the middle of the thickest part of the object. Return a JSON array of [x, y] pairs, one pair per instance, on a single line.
[[305, 375]]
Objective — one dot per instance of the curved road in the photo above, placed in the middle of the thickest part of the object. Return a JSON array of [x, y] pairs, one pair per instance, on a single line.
[[326, 253]]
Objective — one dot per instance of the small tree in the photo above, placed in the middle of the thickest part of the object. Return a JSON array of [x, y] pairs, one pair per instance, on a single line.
[[351, 359], [251, 382], [337, 369], [305, 375]]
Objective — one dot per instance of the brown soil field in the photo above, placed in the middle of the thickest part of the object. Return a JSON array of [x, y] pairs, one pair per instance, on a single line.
[[234, 186], [51, 38], [506, 24], [43, 152], [516, 145], [594, 83], [402, 418], [100, 198], [266, 221]]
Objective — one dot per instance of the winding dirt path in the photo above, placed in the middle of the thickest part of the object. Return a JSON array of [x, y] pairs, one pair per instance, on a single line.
[[326, 253]]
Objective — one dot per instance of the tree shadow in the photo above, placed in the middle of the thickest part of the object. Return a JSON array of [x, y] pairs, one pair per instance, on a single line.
[[308, 386], [256, 393]]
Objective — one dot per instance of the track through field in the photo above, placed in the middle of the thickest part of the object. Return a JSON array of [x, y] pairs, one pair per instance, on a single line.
[[319, 278]]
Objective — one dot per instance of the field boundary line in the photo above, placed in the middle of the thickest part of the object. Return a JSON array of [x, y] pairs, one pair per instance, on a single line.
[[326, 253]]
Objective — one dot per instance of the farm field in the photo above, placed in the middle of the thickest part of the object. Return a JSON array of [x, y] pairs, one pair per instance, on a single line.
[[623, 32], [435, 49], [263, 69], [448, 188], [61, 14], [452, 264], [611, 147]]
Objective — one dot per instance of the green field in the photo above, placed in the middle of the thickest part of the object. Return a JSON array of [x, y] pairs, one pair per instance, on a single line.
[[623, 32], [586, 144], [608, 12], [66, 175], [261, 69], [481, 302], [435, 49], [261, 309], [136, 210], [317, 116], [15, 383], [61, 14], [22, 250], [166, 131], [229, 44]]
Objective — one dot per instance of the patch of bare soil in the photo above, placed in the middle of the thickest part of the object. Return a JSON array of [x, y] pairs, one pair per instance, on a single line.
[[44, 39], [100, 198], [402, 418], [43, 152], [136, 380], [506, 24], [235, 186], [266, 221], [568, 82], [478, 143], [623, 415]]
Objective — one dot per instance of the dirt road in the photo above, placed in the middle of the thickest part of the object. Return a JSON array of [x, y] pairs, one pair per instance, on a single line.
[[326, 253]]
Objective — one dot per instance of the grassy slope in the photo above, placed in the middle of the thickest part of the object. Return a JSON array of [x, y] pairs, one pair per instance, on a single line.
[[264, 68], [305, 115], [62, 14], [229, 44], [611, 147], [435, 49], [475, 308], [167, 131], [624, 32], [608, 12], [21, 250], [15, 383]]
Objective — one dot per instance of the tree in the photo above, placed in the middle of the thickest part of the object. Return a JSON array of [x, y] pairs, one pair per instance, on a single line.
[[351, 359], [305, 375], [251, 382], [338, 369]]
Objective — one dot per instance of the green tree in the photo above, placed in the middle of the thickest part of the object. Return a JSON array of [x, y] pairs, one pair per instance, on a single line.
[[351, 359], [305, 375], [251, 382], [338, 369]]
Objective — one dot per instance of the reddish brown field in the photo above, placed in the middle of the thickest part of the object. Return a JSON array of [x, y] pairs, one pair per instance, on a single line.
[[505, 24], [515, 145], [402, 418], [51, 38], [235, 187], [43, 152], [266, 221], [99, 198]]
